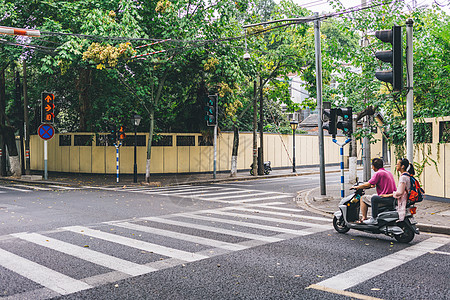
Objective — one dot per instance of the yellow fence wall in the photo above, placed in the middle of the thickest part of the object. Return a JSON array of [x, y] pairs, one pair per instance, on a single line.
[[435, 179], [181, 159]]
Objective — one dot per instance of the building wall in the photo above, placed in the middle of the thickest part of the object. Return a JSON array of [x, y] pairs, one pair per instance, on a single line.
[[435, 178], [181, 159]]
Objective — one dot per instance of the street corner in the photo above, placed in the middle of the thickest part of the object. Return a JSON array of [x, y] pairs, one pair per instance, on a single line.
[[306, 200]]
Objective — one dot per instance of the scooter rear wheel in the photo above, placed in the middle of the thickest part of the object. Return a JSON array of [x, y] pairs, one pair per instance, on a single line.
[[407, 235], [339, 225]]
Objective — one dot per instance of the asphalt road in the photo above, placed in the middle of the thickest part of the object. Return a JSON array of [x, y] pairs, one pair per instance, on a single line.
[[237, 240]]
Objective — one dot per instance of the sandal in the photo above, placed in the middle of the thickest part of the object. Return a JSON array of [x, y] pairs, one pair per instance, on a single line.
[[360, 221]]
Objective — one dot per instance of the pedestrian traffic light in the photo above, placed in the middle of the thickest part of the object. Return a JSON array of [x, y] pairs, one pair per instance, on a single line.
[[211, 110], [122, 134], [47, 108], [331, 124], [346, 124], [394, 56]]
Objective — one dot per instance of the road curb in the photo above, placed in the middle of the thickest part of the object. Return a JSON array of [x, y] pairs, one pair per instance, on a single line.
[[303, 198]]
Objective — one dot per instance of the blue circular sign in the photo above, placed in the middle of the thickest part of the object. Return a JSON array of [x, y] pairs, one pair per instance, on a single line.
[[46, 131]]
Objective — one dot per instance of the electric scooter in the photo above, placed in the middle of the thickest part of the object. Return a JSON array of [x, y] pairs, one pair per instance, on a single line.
[[267, 168], [387, 221]]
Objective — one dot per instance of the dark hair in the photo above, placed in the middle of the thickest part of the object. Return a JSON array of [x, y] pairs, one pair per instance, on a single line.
[[407, 166], [377, 163]]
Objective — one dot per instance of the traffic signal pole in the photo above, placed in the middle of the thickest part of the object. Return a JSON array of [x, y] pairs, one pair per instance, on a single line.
[[410, 94], [323, 190]]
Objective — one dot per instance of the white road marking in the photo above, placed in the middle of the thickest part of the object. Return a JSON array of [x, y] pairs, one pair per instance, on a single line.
[[252, 225], [268, 219], [377, 267], [33, 187], [280, 214], [214, 229], [235, 196], [64, 187], [46, 277], [86, 254], [181, 236], [16, 189], [170, 252]]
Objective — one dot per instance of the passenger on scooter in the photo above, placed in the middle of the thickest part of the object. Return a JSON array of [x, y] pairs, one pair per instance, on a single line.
[[384, 182], [404, 185]]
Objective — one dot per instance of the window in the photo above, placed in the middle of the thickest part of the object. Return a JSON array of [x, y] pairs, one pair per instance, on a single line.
[[444, 132], [423, 133], [162, 140], [65, 140], [129, 140], [83, 140], [185, 140]]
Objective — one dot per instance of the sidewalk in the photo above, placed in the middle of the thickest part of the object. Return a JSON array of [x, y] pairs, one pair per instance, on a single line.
[[83, 179], [432, 216]]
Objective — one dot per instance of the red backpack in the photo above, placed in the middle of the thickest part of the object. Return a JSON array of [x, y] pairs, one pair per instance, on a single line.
[[416, 192]]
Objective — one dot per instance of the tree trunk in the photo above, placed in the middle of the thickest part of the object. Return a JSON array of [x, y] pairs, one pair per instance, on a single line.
[[82, 85], [25, 118], [152, 117], [10, 141], [2, 121], [234, 152], [352, 161]]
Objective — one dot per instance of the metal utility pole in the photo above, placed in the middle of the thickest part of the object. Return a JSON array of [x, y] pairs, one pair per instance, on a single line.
[[26, 119], [255, 124], [323, 190], [410, 95], [261, 129]]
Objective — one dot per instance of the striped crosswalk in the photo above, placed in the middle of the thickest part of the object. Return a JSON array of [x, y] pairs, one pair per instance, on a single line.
[[165, 241], [212, 193]]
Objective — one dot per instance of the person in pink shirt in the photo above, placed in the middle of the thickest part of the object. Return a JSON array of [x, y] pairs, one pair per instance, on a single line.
[[384, 182]]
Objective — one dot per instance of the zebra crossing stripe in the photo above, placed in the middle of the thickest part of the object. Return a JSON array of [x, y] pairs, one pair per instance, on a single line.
[[174, 191], [263, 205], [281, 214], [251, 225], [16, 189], [263, 198], [268, 219], [33, 187], [226, 195], [215, 229], [55, 281], [64, 187], [182, 236], [170, 252], [98, 258]]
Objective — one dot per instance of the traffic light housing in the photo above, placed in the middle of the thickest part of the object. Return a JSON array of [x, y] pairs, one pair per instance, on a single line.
[[122, 134], [47, 107], [331, 124], [211, 110], [346, 124], [394, 56]]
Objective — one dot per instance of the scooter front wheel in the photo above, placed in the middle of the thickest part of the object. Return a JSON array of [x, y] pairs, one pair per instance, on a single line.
[[339, 225]]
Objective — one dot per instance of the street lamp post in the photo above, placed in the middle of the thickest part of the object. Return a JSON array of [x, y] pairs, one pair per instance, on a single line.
[[294, 125], [136, 121]]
